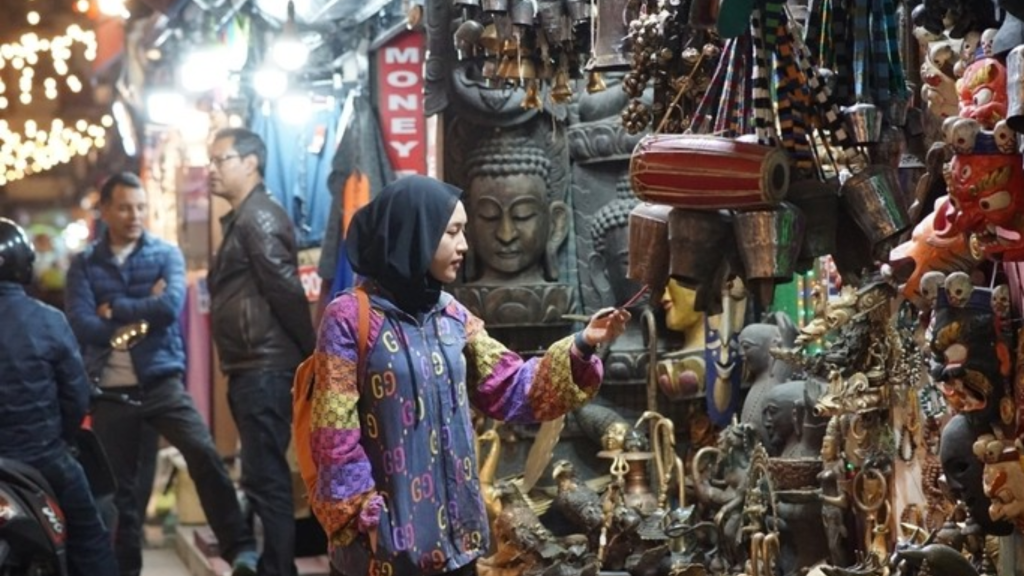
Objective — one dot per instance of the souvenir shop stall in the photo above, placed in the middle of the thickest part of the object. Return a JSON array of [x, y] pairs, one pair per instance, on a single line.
[[812, 211], [811, 208]]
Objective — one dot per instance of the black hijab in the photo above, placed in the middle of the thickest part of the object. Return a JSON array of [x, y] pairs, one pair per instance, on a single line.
[[392, 240]]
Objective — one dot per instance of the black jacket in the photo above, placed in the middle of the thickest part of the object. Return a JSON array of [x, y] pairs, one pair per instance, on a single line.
[[44, 391], [260, 314]]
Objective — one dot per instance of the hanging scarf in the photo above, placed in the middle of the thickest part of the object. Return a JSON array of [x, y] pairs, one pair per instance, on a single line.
[[392, 240]]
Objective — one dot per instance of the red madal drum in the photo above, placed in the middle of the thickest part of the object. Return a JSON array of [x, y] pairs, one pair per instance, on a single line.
[[701, 172]]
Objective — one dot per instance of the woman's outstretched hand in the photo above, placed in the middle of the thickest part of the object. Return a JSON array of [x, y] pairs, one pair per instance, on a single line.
[[606, 325]]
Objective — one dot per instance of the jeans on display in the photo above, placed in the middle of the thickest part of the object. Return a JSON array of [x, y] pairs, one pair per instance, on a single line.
[[89, 547], [261, 404], [166, 406]]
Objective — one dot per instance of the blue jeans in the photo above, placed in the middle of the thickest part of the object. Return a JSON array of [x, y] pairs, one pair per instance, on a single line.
[[89, 545], [166, 406], [261, 404]]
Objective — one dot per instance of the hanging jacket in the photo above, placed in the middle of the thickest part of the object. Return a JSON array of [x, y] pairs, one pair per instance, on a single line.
[[403, 430]]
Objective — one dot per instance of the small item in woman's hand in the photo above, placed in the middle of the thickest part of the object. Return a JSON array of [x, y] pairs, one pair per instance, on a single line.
[[629, 303]]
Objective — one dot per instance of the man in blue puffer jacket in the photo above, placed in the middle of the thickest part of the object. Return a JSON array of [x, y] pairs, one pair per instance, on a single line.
[[123, 279], [45, 396]]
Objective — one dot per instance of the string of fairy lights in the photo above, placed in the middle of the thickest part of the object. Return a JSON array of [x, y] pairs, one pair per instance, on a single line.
[[41, 67]]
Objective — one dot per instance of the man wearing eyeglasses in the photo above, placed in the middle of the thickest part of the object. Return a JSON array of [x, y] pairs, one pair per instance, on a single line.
[[129, 280], [263, 329]]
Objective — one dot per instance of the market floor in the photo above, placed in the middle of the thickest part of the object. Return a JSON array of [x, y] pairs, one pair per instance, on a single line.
[[163, 562]]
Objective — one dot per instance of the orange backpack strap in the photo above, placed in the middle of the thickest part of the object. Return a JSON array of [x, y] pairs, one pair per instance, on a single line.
[[363, 329]]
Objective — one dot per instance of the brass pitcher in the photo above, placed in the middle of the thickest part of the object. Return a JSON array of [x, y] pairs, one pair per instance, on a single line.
[[697, 239], [649, 246], [875, 201]]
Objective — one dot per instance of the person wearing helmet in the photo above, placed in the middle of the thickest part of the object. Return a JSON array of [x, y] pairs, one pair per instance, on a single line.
[[45, 394]]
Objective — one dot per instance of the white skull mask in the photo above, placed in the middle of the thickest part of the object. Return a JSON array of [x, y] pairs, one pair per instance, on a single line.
[[958, 289]]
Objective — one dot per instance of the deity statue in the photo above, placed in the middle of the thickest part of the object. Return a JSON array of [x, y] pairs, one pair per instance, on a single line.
[[791, 429], [681, 372], [756, 343], [964, 471], [518, 223]]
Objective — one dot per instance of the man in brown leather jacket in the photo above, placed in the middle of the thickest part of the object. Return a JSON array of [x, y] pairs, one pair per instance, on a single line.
[[263, 329]]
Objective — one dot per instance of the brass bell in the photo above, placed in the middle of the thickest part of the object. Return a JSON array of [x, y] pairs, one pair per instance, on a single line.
[[508, 68], [595, 83], [561, 93], [532, 99], [489, 39]]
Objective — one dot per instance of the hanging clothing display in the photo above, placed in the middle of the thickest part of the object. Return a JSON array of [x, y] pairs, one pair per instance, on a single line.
[[298, 164], [359, 170]]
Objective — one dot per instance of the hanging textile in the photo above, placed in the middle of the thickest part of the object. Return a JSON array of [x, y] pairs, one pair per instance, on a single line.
[[298, 164], [360, 168]]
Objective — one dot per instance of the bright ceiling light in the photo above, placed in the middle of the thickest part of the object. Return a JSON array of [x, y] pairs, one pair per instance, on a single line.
[[270, 82]]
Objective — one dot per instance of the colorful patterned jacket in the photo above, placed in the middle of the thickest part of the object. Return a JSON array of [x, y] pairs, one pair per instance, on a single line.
[[403, 431]]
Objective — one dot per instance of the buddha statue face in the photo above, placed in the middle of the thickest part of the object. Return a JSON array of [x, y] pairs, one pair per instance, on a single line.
[[678, 302], [514, 231], [756, 342], [781, 416], [609, 261]]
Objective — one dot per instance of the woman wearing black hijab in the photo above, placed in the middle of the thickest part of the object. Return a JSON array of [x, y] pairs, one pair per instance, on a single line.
[[392, 437]]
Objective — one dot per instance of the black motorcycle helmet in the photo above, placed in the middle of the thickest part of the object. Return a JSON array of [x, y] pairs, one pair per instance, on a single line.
[[16, 253]]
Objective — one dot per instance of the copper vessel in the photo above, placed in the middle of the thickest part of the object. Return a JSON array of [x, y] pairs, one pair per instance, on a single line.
[[875, 201], [649, 246], [697, 239]]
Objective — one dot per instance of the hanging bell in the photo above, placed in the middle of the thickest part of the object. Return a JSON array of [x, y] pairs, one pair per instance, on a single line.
[[467, 36], [561, 93], [553, 22], [579, 10], [609, 51], [595, 83], [489, 39], [508, 69], [494, 6], [532, 99], [523, 12]]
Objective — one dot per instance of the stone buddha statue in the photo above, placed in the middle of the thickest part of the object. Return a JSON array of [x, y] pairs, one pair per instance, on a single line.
[[608, 264], [756, 342], [790, 427], [517, 225]]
